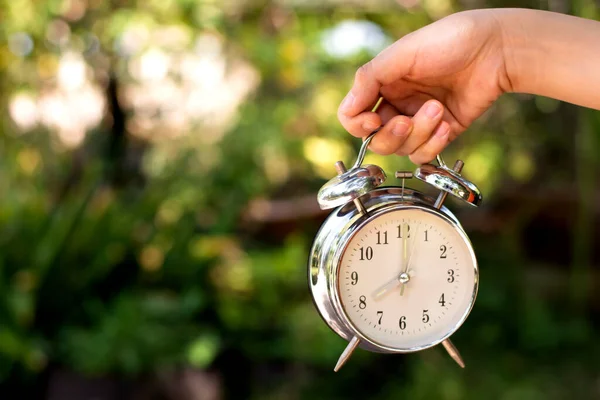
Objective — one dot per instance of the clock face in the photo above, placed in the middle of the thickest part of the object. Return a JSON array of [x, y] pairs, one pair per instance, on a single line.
[[407, 279]]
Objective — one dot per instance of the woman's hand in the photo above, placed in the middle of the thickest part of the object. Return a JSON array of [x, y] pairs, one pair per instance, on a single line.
[[435, 81]]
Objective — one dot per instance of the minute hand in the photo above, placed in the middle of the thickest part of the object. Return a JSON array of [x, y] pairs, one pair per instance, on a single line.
[[410, 257]]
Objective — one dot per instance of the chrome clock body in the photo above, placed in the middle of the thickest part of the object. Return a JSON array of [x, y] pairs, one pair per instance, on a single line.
[[358, 202], [331, 242]]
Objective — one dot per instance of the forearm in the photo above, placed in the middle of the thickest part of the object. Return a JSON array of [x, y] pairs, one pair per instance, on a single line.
[[552, 55]]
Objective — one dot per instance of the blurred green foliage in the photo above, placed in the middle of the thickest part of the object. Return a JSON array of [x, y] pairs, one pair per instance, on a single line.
[[153, 157]]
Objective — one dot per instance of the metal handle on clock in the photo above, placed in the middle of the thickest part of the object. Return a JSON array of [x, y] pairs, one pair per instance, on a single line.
[[351, 184]]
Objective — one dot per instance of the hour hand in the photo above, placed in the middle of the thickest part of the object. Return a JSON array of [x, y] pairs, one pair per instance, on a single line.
[[401, 279], [383, 290]]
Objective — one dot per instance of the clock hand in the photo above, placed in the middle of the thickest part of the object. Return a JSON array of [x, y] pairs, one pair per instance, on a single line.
[[412, 252], [377, 294], [404, 263], [404, 247], [391, 285], [412, 249], [404, 276], [401, 279]]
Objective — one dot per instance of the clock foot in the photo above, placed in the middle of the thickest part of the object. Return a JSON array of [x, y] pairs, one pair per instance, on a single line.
[[347, 353], [453, 352]]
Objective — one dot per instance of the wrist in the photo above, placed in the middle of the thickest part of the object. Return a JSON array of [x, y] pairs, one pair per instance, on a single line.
[[521, 55]]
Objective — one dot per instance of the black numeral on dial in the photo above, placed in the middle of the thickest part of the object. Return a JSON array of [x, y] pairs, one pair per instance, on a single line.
[[362, 302], [366, 253], [382, 236], [450, 276], [402, 228], [402, 322], [425, 318], [354, 276], [442, 301], [380, 315], [443, 250]]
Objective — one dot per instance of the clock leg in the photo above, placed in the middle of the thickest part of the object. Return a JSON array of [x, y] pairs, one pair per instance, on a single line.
[[347, 353], [453, 352]]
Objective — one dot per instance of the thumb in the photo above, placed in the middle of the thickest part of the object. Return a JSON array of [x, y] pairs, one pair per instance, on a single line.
[[391, 64]]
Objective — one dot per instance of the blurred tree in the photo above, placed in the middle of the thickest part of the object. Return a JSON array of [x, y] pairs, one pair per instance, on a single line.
[[158, 168]]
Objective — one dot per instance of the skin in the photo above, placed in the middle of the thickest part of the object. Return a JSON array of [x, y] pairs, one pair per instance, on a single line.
[[439, 79]]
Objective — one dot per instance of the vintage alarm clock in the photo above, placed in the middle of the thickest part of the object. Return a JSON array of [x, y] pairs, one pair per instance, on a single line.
[[391, 270]]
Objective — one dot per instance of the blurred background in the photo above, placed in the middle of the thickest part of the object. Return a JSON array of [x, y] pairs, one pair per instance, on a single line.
[[159, 164]]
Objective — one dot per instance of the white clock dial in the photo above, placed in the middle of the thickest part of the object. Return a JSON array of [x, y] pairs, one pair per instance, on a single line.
[[407, 291]]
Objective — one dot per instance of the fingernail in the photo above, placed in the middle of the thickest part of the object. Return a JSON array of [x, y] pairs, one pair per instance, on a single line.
[[433, 110], [442, 131], [347, 102], [369, 125], [400, 129]]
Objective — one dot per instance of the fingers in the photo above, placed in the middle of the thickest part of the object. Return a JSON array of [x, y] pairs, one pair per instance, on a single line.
[[388, 66], [387, 111], [365, 123], [432, 147], [425, 122], [421, 137], [392, 135]]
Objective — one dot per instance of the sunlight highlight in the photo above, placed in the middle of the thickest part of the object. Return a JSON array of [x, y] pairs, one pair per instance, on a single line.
[[350, 37]]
